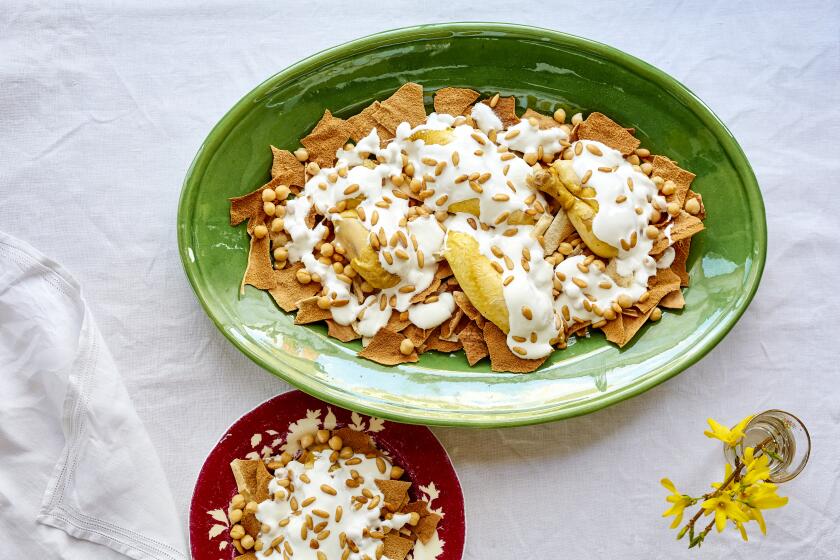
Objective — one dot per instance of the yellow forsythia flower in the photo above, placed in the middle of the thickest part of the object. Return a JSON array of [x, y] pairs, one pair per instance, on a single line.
[[724, 508], [728, 436], [678, 502], [763, 496], [757, 468]]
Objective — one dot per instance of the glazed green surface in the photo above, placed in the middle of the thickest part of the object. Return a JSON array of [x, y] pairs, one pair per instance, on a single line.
[[544, 70]]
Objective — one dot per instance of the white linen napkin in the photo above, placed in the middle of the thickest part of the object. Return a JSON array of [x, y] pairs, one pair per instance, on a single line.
[[79, 478]]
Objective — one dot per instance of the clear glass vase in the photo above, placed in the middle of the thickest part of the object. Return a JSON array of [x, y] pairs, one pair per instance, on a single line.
[[785, 439]]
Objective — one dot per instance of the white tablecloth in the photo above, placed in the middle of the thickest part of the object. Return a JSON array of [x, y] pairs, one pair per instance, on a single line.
[[103, 106]]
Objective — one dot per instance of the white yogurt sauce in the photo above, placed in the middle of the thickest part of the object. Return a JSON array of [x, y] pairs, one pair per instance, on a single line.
[[471, 167], [485, 119], [430, 315], [352, 521], [468, 167], [527, 137], [619, 190], [667, 258]]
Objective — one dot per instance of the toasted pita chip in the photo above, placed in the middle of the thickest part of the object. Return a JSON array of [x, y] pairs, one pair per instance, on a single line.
[[251, 524], [395, 323], [426, 527], [674, 300], [431, 289], [344, 333], [501, 357], [384, 348], [448, 328], [419, 507], [505, 109], [252, 478], [416, 335], [601, 128], [561, 228], [614, 330], [681, 251], [396, 547], [665, 282], [286, 169], [358, 441], [246, 207], [544, 121], [633, 324], [443, 270], [246, 556], [309, 312], [312, 218], [454, 101], [288, 291], [462, 301], [406, 104], [259, 272], [684, 226], [669, 170], [472, 338], [362, 123], [435, 342], [542, 225], [394, 491], [579, 328], [329, 135]]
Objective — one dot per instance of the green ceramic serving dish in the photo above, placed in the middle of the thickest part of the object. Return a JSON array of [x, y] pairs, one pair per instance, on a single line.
[[544, 69]]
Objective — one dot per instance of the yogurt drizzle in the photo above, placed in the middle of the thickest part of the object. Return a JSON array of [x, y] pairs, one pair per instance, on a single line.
[[469, 167], [355, 523]]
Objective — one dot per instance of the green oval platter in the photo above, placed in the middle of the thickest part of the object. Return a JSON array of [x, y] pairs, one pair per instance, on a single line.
[[545, 70]]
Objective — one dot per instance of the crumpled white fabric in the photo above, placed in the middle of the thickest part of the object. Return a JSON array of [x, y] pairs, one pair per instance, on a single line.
[[78, 472]]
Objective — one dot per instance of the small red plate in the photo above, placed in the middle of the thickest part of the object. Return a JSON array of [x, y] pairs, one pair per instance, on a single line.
[[290, 415]]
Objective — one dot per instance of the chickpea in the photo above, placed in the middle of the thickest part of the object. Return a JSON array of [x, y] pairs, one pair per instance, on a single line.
[[651, 232], [406, 347], [277, 224], [237, 502], [235, 515], [303, 276], [327, 249], [335, 443], [669, 187], [322, 436], [282, 192], [577, 118], [237, 532], [673, 208], [260, 231], [251, 507], [269, 208], [301, 154], [692, 206], [247, 542], [397, 472], [306, 441], [560, 116], [656, 314]]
